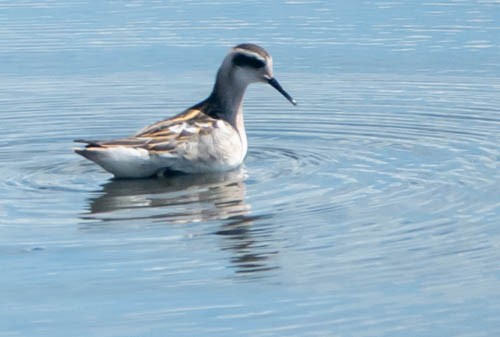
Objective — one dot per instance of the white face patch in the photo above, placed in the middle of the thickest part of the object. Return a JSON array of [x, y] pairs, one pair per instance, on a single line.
[[250, 66], [251, 53]]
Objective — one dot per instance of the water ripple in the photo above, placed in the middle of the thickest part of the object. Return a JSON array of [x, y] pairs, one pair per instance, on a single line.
[[375, 136], [389, 176], [370, 209]]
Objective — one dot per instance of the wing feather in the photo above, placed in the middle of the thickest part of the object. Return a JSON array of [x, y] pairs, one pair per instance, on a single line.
[[166, 136], [172, 125]]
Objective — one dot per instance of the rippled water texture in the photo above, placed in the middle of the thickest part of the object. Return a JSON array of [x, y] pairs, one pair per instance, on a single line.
[[370, 209]]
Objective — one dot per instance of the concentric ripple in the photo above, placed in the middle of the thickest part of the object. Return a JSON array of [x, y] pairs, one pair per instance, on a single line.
[[392, 177], [370, 209], [382, 140]]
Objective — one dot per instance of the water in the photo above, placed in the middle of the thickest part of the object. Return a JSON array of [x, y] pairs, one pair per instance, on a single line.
[[371, 209]]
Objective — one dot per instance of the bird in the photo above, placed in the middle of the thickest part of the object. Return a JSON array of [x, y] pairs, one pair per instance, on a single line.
[[207, 137]]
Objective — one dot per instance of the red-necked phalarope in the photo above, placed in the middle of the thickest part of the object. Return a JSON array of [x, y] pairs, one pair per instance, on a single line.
[[208, 137]]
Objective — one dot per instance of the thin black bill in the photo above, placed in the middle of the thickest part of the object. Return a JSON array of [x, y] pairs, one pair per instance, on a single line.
[[276, 85]]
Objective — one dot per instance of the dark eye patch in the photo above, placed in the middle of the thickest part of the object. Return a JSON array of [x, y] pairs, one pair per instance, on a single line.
[[243, 60]]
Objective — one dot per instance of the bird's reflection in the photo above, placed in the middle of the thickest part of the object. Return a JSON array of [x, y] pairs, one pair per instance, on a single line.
[[243, 242], [188, 199], [177, 199]]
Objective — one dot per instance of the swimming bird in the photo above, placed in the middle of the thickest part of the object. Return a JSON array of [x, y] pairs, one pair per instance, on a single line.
[[207, 137]]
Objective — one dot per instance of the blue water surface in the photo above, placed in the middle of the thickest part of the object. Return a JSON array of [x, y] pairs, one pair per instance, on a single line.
[[370, 209]]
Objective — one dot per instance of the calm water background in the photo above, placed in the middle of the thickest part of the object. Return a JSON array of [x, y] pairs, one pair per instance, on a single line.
[[371, 209]]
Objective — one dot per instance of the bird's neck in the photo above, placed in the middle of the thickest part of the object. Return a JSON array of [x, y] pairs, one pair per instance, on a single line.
[[226, 101]]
